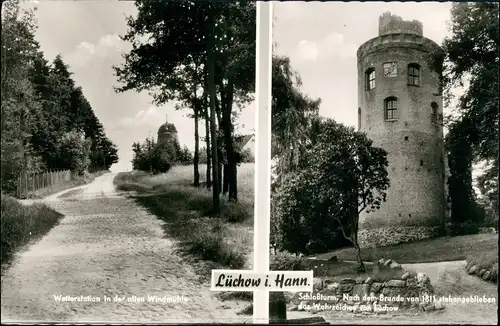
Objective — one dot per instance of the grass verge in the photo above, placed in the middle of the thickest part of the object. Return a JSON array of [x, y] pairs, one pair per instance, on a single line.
[[226, 241], [75, 182], [425, 251], [21, 224]]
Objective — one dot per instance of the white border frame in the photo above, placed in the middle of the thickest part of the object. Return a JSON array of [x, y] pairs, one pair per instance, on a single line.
[[262, 192]]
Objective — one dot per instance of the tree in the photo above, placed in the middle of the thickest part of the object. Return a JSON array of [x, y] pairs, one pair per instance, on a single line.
[[471, 60], [293, 123], [344, 176], [75, 151], [185, 156], [177, 40], [216, 37], [18, 97]]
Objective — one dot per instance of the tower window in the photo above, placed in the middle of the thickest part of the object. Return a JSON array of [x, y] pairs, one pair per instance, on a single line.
[[391, 108], [413, 74], [370, 79], [406, 138], [434, 112]]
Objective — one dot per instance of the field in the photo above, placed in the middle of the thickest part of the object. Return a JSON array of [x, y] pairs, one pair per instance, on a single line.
[[227, 241]]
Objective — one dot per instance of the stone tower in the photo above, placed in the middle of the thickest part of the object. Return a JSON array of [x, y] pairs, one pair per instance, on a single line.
[[401, 110]]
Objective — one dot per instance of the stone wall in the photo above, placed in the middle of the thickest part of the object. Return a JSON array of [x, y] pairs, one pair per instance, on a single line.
[[370, 238], [370, 295]]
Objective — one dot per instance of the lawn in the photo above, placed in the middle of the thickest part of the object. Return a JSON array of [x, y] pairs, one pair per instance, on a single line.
[[425, 251], [224, 242], [21, 224]]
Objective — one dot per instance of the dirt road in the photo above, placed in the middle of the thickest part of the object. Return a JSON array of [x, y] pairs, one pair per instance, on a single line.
[[107, 247], [448, 279]]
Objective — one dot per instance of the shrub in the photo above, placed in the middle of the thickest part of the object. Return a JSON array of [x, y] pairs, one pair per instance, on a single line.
[[284, 261]]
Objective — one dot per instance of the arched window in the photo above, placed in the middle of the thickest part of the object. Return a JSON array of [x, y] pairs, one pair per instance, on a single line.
[[370, 79], [413, 74], [391, 108], [359, 118], [434, 112]]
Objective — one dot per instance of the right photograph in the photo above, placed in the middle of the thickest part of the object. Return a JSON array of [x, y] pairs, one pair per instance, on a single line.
[[385, 161]]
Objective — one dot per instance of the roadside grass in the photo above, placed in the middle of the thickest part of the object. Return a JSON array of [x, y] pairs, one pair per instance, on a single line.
[[425, 251], [226, 241], [22, 224], [75, 182]]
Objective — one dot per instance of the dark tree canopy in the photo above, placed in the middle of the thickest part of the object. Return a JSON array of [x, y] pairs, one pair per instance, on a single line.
[[47, 123]]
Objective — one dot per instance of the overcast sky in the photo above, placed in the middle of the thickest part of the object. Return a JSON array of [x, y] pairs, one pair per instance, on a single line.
[[86, 33], [321, 39]]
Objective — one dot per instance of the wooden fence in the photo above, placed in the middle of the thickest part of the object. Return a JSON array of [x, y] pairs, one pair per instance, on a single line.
[[31, 182]]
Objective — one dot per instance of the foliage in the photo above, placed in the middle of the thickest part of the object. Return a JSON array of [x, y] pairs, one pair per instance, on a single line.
[[284, 261], [471, 61], [185, 157], [247, 156], [344, 175], [42, 108], [76, 149], [153, 157]]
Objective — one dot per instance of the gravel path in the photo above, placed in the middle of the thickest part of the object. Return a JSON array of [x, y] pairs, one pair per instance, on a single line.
[[107, 246]]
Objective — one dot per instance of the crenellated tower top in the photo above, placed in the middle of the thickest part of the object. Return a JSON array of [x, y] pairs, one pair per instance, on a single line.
[[392, 24]]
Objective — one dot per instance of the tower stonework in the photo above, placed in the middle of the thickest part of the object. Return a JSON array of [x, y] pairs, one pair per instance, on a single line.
[[400, 108]]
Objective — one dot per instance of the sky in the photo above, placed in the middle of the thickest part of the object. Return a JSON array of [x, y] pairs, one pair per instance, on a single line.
[[321, 39], [86, 34]]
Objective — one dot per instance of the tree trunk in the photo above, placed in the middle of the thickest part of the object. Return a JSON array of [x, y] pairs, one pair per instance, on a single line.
[[225, 186], [207, 136], [219, 183], [213, 127], [209, 161], [354, 236], [228, 140], [196, 157]]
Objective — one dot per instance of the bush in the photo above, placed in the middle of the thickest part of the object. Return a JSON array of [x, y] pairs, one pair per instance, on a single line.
[[21, 224], [285, 261], [465, 228], [313, 200]]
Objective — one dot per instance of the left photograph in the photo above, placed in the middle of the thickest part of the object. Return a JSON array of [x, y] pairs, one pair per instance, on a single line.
[[127, 149]]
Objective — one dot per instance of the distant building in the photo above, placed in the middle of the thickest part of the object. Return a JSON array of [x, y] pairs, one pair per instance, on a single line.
[[246, 142], [401, 110]]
